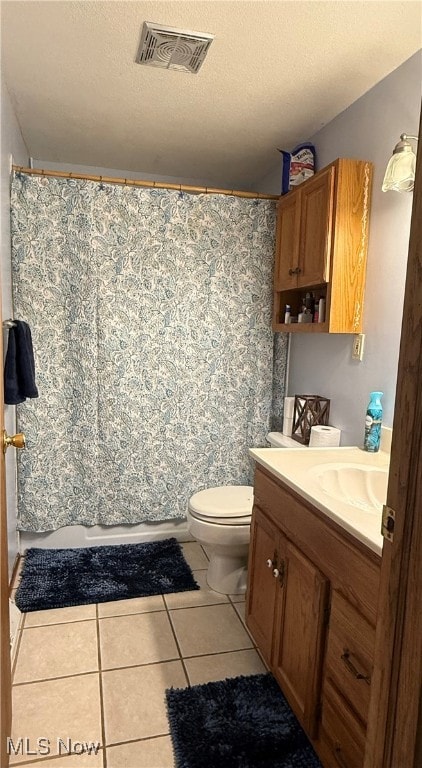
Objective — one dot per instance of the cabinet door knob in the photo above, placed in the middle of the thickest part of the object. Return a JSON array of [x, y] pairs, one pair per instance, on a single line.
[[269, 563], [276, 573], [291, 272]]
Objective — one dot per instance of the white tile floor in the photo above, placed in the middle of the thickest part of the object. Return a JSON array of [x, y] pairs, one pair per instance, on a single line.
[[99, 672]]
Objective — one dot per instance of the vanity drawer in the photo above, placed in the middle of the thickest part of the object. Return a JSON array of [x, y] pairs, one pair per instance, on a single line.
[[342, 735], [349, 657]]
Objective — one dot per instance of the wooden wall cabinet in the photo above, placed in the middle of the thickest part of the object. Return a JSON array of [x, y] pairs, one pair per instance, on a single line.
[[321, 247], [311, 607]]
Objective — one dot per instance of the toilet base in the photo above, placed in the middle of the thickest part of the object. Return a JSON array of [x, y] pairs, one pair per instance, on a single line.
[[227, 572]]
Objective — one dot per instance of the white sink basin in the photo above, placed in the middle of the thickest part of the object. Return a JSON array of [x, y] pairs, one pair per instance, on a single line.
[[347, 484], [358, 485]]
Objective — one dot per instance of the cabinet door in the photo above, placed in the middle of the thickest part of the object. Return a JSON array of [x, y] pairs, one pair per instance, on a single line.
[[299, 633], [287, 248], [315, 229], [263, 558]]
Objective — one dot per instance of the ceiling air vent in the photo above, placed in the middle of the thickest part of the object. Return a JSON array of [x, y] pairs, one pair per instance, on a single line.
[[173, 48]]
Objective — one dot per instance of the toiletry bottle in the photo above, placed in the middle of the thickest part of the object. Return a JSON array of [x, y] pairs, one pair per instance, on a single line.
[[321, 310], [310, 303], [373, 423], [287, 314], [316, 312]]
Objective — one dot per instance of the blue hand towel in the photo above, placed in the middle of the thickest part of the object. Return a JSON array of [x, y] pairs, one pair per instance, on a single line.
[[19, 367]]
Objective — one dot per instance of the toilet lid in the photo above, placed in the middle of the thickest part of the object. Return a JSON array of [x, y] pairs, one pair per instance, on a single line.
[[229, 504]]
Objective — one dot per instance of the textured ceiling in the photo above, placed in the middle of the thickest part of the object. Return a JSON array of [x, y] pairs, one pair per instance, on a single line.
[[275, 73]]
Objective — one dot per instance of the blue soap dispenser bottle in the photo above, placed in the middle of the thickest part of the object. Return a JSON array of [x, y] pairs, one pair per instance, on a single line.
[[373, 423]]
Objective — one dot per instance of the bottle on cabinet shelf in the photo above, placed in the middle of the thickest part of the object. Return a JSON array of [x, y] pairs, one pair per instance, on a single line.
[[287, 314], [321, 310], [309, 303]]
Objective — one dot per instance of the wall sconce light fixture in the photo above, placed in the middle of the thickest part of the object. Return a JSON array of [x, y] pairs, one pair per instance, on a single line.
[[400, 172]]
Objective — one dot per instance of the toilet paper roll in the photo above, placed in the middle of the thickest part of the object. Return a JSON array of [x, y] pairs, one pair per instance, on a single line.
[[324, 437], [289, 406]]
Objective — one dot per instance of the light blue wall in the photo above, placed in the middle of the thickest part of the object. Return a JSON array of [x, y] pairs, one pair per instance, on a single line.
[[11, 144], [322, 364]]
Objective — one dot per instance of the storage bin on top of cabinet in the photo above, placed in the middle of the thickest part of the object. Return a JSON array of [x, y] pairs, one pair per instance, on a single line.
[[322, 243]]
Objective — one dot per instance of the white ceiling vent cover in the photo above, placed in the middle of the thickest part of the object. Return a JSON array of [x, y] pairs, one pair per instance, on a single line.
[[172, 48]]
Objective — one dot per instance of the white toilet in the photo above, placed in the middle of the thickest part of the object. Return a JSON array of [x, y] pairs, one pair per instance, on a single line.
[[278, 440], [220, 518]]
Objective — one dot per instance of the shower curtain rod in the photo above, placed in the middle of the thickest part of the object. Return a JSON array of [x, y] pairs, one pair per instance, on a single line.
[[141, 183]]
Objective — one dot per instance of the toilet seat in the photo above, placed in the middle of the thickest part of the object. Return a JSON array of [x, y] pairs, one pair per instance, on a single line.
[[225, 505]]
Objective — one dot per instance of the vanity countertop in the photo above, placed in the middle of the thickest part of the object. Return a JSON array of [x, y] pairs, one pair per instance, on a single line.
[[348, 484]]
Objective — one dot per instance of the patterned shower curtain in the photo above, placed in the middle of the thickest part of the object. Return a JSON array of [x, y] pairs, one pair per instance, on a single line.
[[150, 313]]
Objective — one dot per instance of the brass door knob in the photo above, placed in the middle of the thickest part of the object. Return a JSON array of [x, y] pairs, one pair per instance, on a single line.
[[18, 441]]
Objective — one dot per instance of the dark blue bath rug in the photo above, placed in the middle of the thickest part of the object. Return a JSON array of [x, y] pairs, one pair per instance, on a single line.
[[242, 722], [57, 578]]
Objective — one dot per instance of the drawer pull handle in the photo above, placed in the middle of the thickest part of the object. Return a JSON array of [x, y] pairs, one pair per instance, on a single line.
[[345, 657]]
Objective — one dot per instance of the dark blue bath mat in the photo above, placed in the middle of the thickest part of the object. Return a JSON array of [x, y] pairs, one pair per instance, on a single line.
[[57, 578], [242, 722]]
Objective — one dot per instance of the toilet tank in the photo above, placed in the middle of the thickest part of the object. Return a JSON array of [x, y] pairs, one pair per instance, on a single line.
[[278, 440]]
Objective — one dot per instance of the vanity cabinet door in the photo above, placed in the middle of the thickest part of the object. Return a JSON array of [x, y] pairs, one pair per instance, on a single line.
[[299, 632], [262, 584]]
